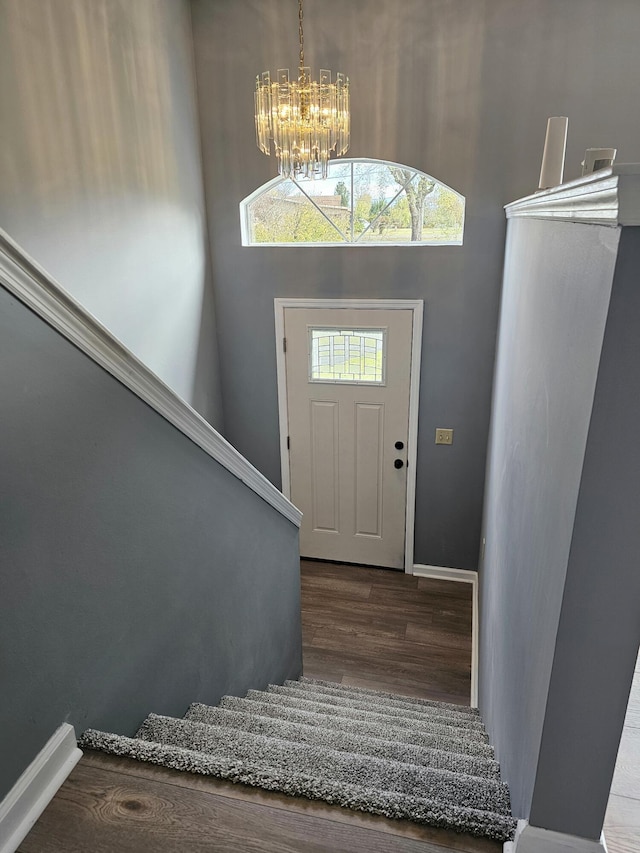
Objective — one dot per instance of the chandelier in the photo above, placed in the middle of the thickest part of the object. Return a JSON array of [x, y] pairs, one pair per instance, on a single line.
[[307, 119]]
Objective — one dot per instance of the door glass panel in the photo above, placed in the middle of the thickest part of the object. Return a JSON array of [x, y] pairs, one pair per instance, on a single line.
[[354, 356]]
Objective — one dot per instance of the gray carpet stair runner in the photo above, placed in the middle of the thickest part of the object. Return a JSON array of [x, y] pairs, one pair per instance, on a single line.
[[387, 754]]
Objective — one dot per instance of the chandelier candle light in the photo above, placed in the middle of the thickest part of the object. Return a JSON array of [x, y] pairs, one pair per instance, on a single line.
[[307, 120]]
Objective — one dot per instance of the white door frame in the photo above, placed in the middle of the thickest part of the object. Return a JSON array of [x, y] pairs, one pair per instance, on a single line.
[[417, 307]]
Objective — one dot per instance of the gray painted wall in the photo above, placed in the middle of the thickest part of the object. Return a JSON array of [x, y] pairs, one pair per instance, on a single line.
[[599, 629], [458, 88], [101, 176], [557, 283], [137, 574], [559, 582]]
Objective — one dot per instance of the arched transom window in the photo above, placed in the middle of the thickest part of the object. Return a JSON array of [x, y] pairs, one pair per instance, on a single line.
[[364, 202]]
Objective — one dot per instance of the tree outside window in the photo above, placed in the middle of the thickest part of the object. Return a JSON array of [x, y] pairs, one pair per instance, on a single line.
[[365, 202]]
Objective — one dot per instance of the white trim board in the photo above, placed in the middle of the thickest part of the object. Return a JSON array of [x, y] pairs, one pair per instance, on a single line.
[[533, 839], [32, 285], [417, 307], [461, 576], [37, 786], [606, 197]]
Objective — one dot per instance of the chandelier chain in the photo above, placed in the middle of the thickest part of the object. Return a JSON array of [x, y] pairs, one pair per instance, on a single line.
[[301, 37]]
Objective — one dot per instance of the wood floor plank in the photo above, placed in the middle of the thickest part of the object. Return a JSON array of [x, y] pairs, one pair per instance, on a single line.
[[343, 611], [623, 811], [380, 577], [622, 825], [392, 593], [454, 622], [394, 580], [363, 627], [389, 648], [450, 589], [339, 613], [633, 709], [624, 841], [626, 779], [415, 670], [133, 814], [622, 821], [344, 587], [431, 635], [446, 839], [434, 683]]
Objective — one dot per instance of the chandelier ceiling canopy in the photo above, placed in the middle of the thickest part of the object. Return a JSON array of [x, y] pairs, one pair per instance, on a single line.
[[307, 119]]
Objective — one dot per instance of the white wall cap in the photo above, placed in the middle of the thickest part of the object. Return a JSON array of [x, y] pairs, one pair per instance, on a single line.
[[606, 197]]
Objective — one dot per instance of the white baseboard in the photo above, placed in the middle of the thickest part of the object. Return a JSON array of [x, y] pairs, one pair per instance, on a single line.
[[533, 839], [37, 786], [444, 573], [462, 576]]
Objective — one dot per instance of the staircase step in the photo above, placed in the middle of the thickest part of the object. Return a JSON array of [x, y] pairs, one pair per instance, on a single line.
[[424, 716], [380, 745], [360, 714], [383, 753], [300, 770], [357, 725], [348, 689], [326, 762], [395, 701]]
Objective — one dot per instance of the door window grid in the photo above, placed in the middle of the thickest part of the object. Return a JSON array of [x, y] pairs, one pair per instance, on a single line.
[[353, 356]]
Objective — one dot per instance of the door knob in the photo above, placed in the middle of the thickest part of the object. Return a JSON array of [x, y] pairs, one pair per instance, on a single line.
[[398, 463], [399, 445]]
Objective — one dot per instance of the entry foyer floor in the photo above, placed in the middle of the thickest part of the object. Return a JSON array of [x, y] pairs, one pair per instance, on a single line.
[[366, 627], [387, 630]]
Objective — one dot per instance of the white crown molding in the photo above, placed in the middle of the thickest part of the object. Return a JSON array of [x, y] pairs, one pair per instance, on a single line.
[[461, 576], [607, 197], [533, 839], [33, 286], [37, 786]]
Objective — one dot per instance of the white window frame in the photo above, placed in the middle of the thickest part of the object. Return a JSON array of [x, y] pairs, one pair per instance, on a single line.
[[245, 229]]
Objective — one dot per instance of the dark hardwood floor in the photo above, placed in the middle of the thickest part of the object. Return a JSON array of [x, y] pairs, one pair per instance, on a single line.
[[117, 805], [365, 627], [387, 630]]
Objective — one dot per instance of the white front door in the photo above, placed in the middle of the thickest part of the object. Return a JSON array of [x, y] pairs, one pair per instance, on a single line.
[[348, 374]]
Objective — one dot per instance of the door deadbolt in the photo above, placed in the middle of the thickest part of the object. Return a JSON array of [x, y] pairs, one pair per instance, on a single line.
[[399, 445], [398, 463]]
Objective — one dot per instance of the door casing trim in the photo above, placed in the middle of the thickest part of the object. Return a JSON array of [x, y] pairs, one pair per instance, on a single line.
[[416, 306]]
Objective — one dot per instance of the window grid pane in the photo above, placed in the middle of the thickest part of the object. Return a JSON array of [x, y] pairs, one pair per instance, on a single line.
[[363, 202], [347, 355]]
